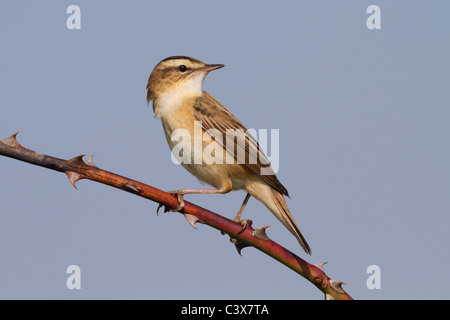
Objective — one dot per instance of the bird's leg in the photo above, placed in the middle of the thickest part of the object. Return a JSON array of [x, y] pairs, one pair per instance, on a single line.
[[237, 218], [182, 192], [244, 223]]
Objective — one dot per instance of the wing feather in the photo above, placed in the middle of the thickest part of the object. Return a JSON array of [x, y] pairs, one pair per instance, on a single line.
[[214, 115]]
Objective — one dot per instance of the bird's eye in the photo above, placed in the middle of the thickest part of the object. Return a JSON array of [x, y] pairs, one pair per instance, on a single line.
[[182, 68]]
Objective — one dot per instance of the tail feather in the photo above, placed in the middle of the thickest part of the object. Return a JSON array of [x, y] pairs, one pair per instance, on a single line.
[[284, 215], [276, 203]]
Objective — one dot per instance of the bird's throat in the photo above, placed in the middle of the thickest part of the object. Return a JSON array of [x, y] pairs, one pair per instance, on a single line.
[[171, 100]]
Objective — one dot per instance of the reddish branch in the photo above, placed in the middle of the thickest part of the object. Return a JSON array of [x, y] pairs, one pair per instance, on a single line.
[[77, 169]]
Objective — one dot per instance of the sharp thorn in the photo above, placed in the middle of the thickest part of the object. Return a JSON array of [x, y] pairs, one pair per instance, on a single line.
[[77, 162], [192, 219], [320, 265], [239, 245], [12, 141], [337, 285], [261, 233], [131, 186], [157, 209], [91, 162], [73, 177], [166, 209]]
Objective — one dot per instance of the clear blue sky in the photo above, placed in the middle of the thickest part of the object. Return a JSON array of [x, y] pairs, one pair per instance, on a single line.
[[364, 146]]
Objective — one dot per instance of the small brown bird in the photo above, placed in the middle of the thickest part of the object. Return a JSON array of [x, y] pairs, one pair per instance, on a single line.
[[176, 88]]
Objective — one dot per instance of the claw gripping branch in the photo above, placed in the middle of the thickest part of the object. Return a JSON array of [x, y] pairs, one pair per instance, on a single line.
[[76, 169]]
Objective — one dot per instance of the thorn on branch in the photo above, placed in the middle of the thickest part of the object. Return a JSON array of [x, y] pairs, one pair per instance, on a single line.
[[320, 265], [260, 233], [166, 208], [239, 245], [91, 162], [192, 219], [77, 162], [12, 141], [73, 177], [337, 285], [133, 187]]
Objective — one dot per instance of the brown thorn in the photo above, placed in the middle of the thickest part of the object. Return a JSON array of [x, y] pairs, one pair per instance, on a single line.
[[166, 208], [132, 186], [261, 233], [91, 162], [12, 141], [77, 162], [192, 219], [320, 265], [337, 285], [239, 245], [157, 209], [73, 177]]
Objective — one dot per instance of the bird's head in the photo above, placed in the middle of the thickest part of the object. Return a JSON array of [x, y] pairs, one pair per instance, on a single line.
[[178, 75]]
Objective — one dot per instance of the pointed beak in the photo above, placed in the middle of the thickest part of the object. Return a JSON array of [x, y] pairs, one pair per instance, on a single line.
[[211, 67]]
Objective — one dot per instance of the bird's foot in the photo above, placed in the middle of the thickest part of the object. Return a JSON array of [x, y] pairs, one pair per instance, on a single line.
[[180, 207], [244, 223], [237, 243], [179, 196]]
